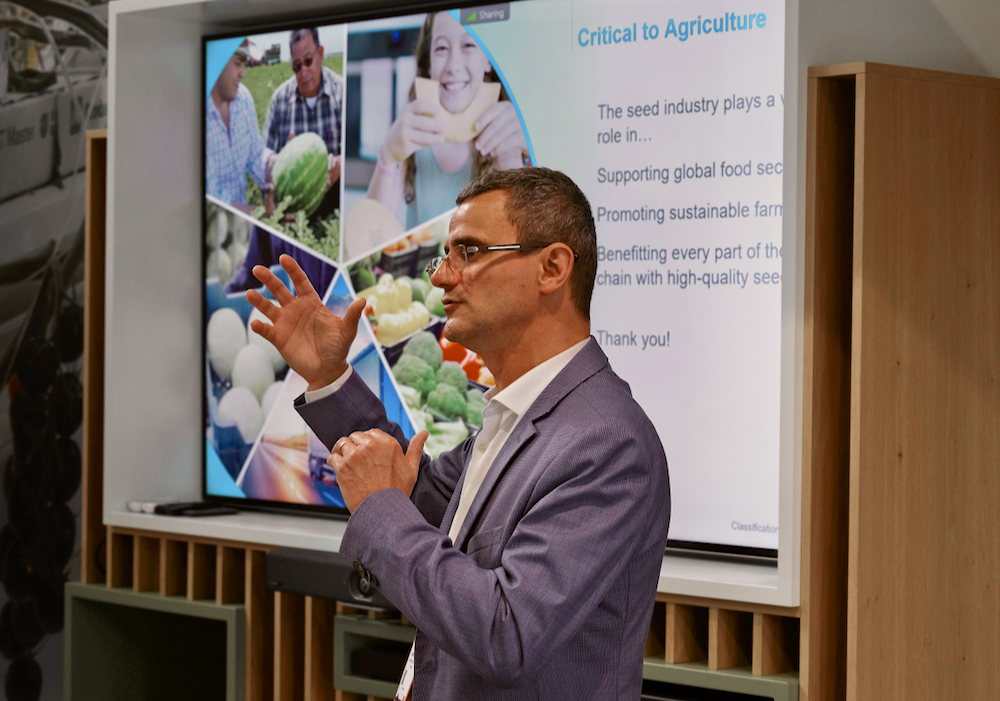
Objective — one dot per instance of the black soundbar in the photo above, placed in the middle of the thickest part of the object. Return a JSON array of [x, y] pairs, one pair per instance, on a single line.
[[324, 575]]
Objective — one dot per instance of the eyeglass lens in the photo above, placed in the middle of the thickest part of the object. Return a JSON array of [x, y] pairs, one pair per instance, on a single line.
[[307, 62], [455, 260]]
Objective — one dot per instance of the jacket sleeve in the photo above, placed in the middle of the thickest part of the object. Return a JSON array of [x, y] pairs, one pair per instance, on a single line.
[[593, 521], [355, 408]]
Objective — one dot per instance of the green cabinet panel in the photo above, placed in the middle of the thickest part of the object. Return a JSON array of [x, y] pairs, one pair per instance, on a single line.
[[120, 644]]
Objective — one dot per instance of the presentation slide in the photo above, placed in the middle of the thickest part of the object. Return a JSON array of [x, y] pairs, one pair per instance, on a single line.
[[669, 115]]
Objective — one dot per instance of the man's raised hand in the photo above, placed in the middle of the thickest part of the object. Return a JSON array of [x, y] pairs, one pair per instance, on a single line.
[[313, 340]]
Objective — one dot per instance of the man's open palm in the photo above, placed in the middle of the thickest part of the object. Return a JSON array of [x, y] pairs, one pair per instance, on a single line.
[[313, 340]]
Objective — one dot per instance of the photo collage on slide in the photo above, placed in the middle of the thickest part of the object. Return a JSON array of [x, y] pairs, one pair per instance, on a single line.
[[344, 147]]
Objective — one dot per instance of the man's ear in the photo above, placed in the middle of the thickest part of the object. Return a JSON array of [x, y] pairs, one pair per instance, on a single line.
[[556, 267]]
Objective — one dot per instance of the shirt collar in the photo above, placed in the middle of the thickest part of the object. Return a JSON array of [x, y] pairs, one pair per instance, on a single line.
[[520, 394]]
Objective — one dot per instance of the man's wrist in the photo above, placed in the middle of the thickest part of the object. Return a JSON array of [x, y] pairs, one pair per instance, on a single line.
[[321, 387]]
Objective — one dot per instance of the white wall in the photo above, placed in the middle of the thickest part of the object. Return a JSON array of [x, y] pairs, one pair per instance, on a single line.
[[947, 35], [961, 36]]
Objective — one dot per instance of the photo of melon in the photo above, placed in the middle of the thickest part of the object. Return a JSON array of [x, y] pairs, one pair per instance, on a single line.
[[369, 225], [300, 173], [459, 127]]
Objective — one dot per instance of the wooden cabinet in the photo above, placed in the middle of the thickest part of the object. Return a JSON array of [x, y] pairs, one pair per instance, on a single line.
[[903, 244]]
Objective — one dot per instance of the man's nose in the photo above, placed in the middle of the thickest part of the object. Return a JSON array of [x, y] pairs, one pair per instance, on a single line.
[[444, 276]]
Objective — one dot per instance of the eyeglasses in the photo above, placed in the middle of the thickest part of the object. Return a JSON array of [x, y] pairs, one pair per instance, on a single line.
[[458, 262], [307, 62]]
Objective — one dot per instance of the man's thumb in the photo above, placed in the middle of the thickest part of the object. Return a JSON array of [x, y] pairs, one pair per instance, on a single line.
[[416, 448], [353, 314]]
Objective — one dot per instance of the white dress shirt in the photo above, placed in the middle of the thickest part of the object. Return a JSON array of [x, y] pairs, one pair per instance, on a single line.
[[502, 411]]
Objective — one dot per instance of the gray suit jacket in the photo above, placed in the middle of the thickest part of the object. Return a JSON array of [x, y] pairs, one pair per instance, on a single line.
[[548, 591]]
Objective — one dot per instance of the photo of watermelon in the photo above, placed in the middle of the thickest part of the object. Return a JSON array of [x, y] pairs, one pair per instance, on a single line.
[[301, 173]]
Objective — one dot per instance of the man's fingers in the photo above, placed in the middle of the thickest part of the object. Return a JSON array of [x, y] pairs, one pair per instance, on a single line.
[[302, 285], [416, 448], [263, 304], [335, 461], [272, 283], [266, 331]]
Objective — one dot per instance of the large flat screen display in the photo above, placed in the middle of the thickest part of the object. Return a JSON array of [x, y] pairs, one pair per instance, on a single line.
[[324, 141]]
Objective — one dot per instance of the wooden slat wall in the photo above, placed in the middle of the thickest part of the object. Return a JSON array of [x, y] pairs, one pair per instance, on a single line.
[[289, 646], [687, 633], [230, 582], [289, 643], [260, 628], [730, 638], [173, 567], [201, 571], [120, 554], [145, 563], [775, 644], [319, 649]]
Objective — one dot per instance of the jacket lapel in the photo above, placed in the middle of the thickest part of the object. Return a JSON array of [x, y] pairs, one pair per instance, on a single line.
[[588, 361]]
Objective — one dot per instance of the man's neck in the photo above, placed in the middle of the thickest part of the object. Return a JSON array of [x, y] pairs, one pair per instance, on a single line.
[[319, 89], [530, 349]]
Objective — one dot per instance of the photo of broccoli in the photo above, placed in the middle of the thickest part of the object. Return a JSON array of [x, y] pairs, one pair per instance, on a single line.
[[451, 373], [440, 394], [414, 372], [447, 401], [425, 346]]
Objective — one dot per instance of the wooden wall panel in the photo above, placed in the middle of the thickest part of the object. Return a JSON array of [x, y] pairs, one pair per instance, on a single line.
[[924, 540], [289, 646], [260, 628], [201, 571], [119, 559], [145, 563], [827, 386], [319, 649], [92, 532], [230, 578], [173, 567], [730, 638], [686, 638]]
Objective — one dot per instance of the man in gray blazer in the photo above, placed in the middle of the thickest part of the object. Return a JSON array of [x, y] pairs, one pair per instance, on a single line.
[[528, 556]]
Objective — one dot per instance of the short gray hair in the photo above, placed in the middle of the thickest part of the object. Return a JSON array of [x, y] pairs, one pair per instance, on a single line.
[[300, 34]]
